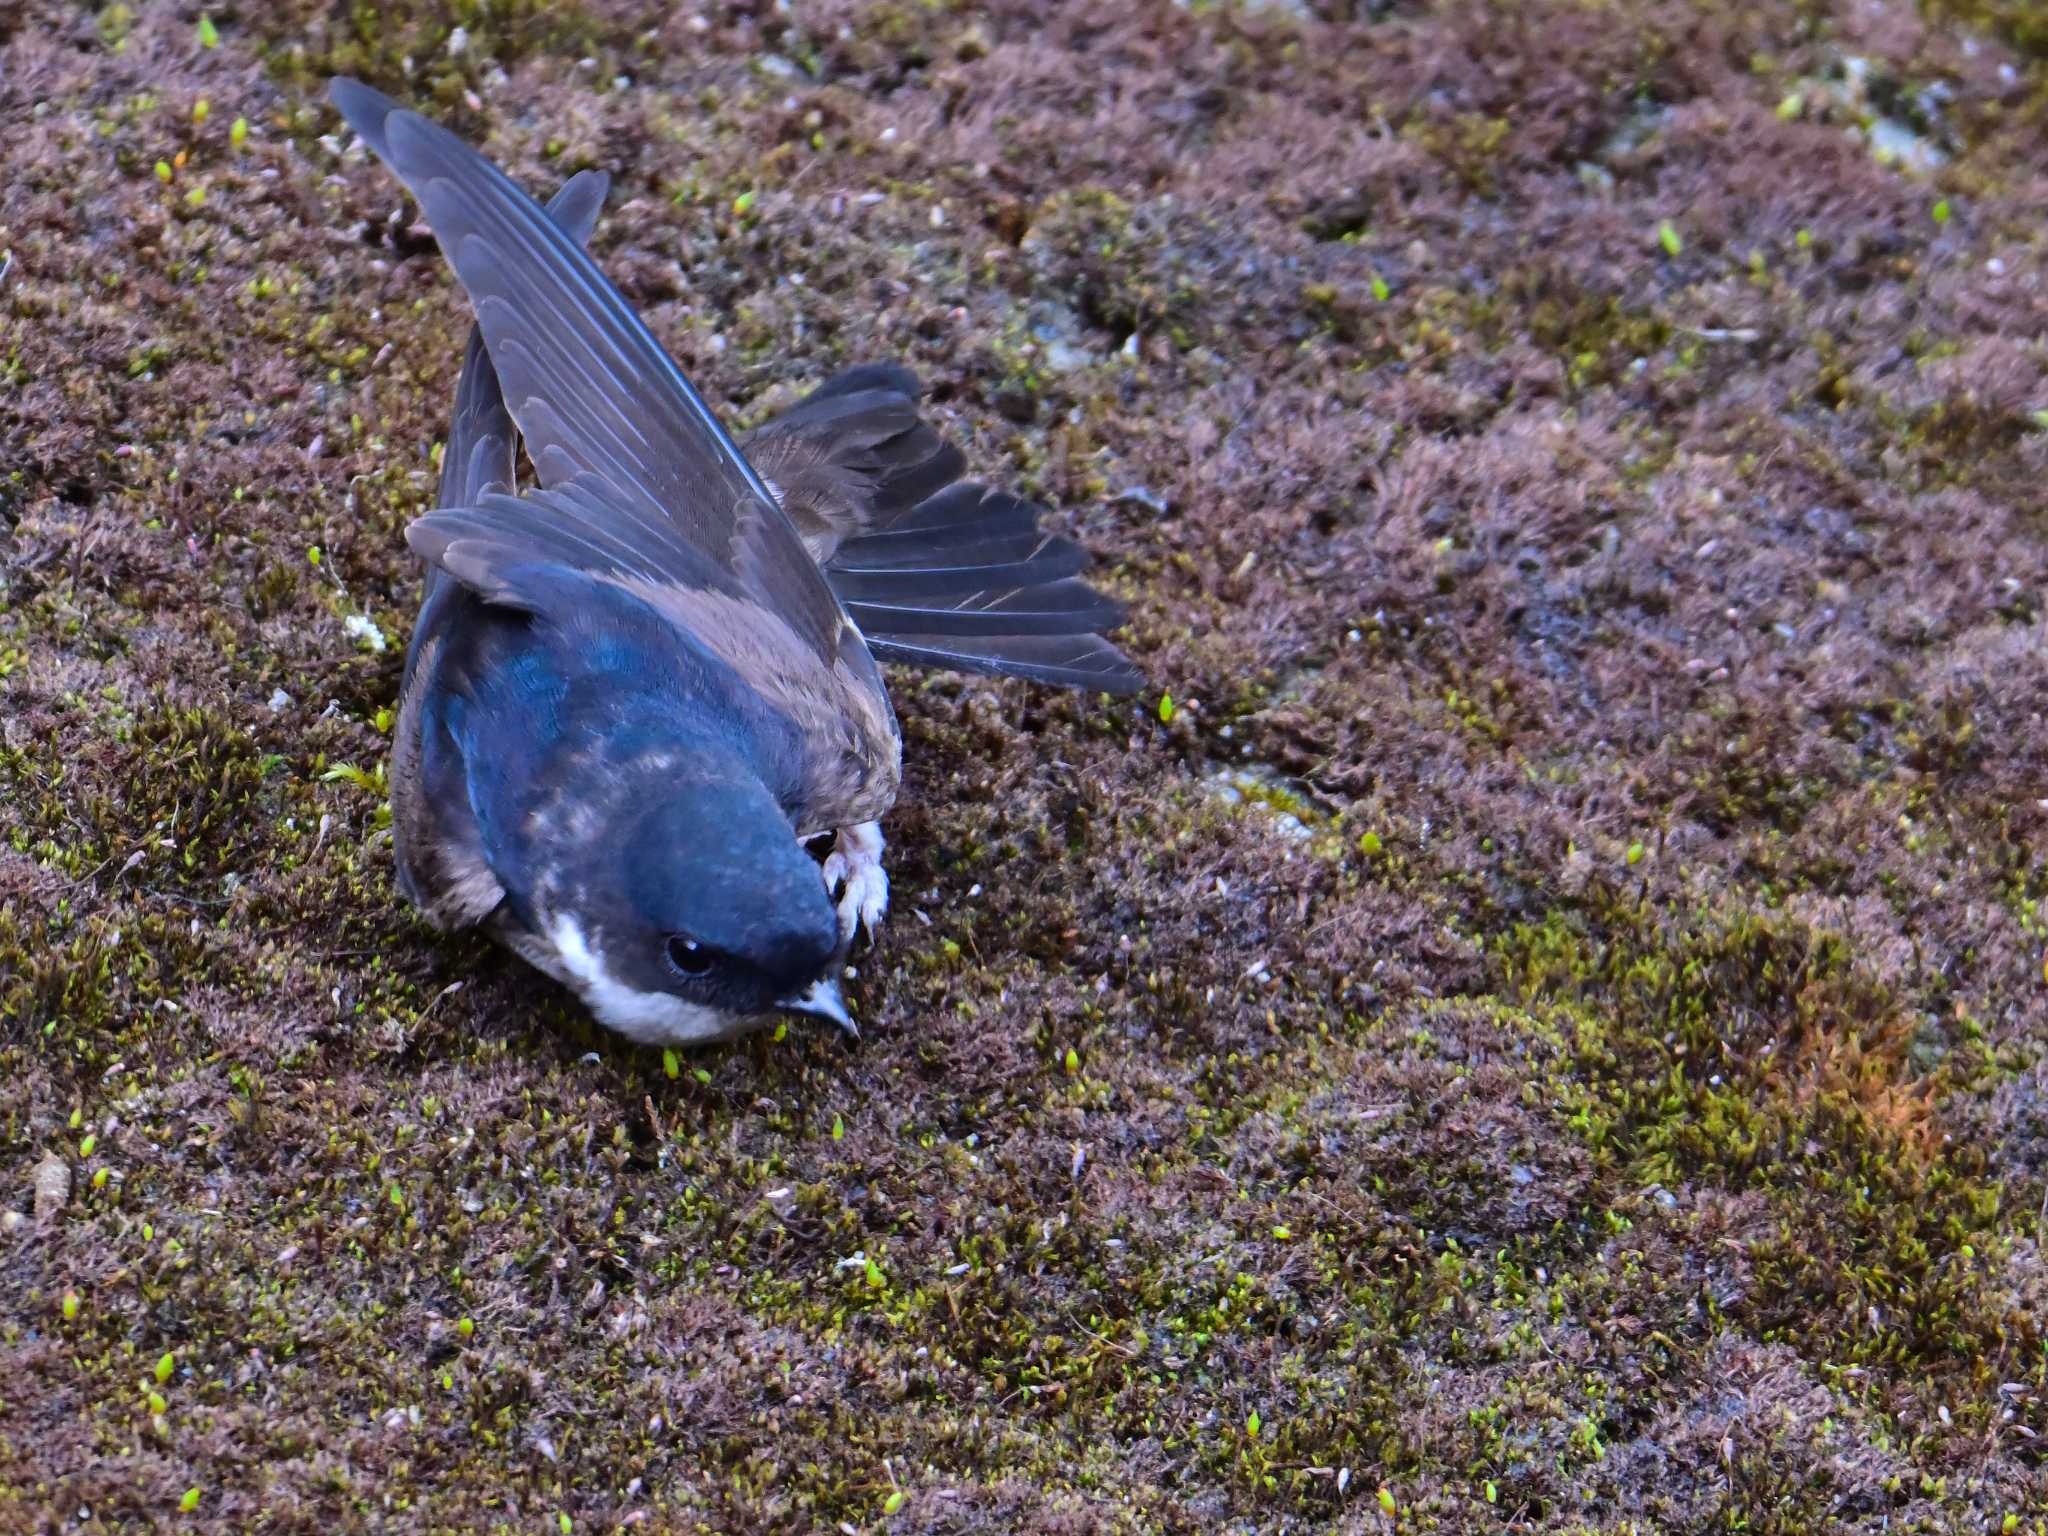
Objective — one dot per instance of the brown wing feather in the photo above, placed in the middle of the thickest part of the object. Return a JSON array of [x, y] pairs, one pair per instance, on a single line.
[[936, 571], [441, 865], [589, 386], [853, 452]]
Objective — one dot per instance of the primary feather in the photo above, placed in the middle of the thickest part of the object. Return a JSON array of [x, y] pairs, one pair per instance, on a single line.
[[590, 388], [937, 571]]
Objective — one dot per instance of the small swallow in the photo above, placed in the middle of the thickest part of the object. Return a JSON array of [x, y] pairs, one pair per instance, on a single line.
[[639, 689]]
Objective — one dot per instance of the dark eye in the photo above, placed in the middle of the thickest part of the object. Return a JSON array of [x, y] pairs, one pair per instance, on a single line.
[[688, 956]]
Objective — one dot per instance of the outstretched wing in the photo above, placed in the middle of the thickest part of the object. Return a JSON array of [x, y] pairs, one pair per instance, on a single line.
[[936, 571], [482, 450], [591, 390], [852, 453]]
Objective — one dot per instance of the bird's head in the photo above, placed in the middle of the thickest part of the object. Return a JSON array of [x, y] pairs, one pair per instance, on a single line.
[[686, 911]]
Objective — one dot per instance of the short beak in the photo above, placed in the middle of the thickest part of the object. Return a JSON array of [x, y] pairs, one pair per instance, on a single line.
[[823, 1001]]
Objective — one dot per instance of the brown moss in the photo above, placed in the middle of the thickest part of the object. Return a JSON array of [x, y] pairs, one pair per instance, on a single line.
[[1584, 1071]]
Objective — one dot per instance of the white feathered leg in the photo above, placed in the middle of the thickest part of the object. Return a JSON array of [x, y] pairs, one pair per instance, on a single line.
[[856, 859]]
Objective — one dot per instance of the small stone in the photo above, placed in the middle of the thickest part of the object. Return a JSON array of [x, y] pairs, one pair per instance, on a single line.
[[52, 1183]]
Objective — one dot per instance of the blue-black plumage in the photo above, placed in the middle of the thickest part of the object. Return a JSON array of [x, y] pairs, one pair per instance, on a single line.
[[637, 689]]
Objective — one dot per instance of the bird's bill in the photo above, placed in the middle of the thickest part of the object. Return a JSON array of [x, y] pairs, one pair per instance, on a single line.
[[823, 1001]]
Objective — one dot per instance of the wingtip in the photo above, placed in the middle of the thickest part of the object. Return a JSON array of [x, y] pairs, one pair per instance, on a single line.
[[1086, 663], [352, 98], [427, 539], [579, 202], [1120, 679], [365, 109]]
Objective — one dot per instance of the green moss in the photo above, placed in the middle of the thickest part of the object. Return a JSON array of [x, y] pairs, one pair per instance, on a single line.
[[1468, 144], [2017, 22], [387, 44], [1597, 337], [1120, 264], [1752, 1052]]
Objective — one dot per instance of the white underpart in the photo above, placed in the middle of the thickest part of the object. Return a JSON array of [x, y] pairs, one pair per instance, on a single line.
[[856, 858], [652, 1018]]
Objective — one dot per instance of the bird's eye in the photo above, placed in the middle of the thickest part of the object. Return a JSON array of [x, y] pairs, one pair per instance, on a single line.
[[688, 956]]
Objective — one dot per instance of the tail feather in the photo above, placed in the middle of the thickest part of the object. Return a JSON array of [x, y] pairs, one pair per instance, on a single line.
[[963, 578], [1057, 608], [893, 377], [1066, 661], [963, 547]]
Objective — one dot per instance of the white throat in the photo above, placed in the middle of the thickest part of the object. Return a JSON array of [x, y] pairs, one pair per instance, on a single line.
[[652, 1018]]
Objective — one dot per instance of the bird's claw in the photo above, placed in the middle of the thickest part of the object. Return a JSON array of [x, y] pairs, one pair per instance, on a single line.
[[854, 869]]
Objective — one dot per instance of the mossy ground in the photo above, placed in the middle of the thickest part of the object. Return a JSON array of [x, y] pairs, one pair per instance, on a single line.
[[1588, 1071]]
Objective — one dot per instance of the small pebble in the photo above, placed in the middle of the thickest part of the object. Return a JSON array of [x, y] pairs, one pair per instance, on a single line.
[[52, 1183]]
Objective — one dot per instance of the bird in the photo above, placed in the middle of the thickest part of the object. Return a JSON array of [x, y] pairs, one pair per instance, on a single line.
[[641, 688]]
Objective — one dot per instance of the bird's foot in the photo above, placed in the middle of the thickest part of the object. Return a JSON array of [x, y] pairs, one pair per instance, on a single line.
[[854, 870]]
